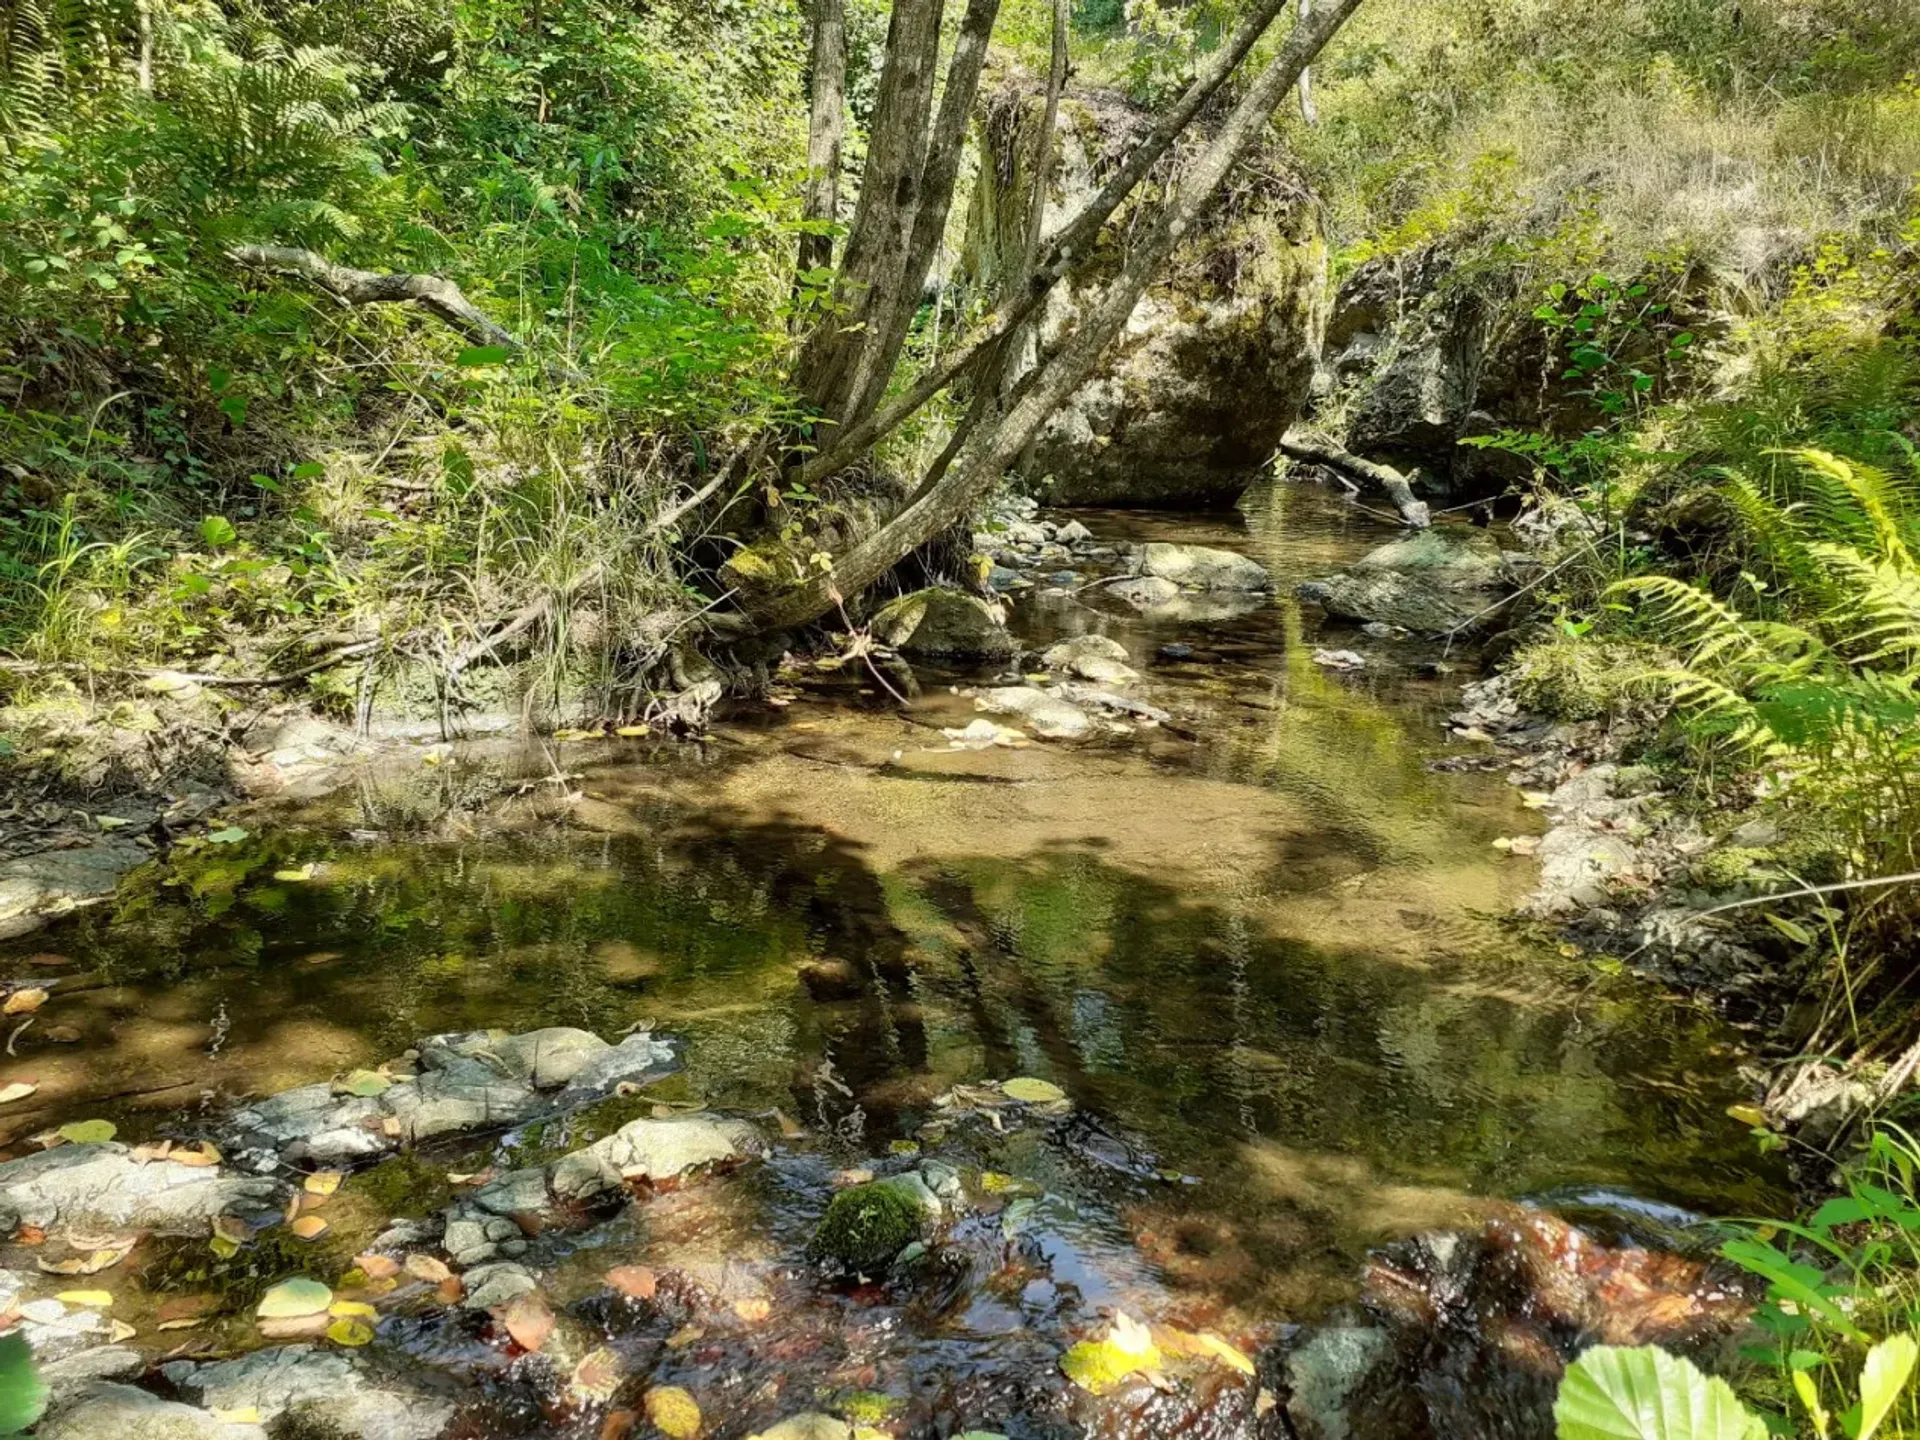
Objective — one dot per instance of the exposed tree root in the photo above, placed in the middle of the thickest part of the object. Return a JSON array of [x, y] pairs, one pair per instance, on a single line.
[[439, 297]]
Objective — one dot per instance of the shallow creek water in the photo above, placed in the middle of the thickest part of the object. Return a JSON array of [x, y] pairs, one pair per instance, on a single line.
[[1262, 949]]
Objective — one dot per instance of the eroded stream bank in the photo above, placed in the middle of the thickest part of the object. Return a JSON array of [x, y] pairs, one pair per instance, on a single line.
[[1260, 948]]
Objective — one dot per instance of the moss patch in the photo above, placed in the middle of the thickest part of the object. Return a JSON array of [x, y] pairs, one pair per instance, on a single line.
[[866, 1226]]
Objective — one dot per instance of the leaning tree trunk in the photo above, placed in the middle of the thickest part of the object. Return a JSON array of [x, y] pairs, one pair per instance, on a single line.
[[986, 452]]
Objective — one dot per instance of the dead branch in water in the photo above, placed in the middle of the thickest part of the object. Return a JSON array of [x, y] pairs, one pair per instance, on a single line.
[[1324, 452]]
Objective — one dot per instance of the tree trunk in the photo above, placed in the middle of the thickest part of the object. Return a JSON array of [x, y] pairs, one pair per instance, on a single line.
[[1308, 111], [826, 129], [1045, 144], [1061, 252], [837, 360], [986, 452]]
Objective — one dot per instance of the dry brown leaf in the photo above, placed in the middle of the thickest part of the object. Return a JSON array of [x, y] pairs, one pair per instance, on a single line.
[[91, 1264], [597, 1375], [232, 1229], [450, 1291], [636, 1282], [427, 1268], [377, 1267], [47, 957], [309, 1227], [753, 1309], [527, 1319], [390, 1126], [322, 1183], [618, 1425], [148, 1153], [24, 1002], [62, 1034], [201, 1153]]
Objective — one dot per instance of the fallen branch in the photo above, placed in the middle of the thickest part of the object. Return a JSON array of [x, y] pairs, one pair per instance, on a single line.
[[1388, 479], [441, 298]]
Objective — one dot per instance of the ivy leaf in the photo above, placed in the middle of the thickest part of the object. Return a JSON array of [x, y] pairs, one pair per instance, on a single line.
[[23, 1394]]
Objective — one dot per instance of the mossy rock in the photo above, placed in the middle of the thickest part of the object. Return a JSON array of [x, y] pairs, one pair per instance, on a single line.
[[866, 1226], [942, 624]]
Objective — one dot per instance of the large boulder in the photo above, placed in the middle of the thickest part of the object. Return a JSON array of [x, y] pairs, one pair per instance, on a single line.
[[1200, 567], [1218, 357], [120, 1412], [333, 1394], [1433, 582], [101, 1184], [943, 624]]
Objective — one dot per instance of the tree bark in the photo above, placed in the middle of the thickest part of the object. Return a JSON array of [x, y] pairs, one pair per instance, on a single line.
[[837, 359], [985, 454], [826, 129], [945, 150], [1045, 145], [1390, 480], [1309, 112], [853, 440]]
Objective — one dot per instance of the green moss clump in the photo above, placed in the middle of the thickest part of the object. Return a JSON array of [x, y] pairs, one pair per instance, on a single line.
[[866, 1226], [1728, 868], [403, 1185], [1573, 679]]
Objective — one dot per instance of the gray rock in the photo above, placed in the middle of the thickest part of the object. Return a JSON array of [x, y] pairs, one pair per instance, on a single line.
[[1092, 657], [120, 1412], [1026, 532], [491, 1285], [657, 1148], [639, 1058], [466, 1094], [546, 1058], [941, 624], [1393, 599], [324, 1387], [1454, 555], [1199, 567], [102, 1185], [1046, 716], [517, 1192], [1073, 533], [66, 1377], [1339, 659], [1087, 696], [1575, 865], [54, 881], [1324, 1374], [1145, 592]]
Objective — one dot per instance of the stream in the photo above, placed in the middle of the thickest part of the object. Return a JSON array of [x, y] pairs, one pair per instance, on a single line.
[[1264, 949]]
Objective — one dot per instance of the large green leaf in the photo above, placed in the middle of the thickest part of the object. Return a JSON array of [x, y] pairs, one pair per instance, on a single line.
[[1884, 1375], [1611, 1393], [23, 1394]]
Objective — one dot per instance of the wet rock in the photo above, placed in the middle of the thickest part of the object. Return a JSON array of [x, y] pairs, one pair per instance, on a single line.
[[1199, 567], [1088, 697], [1046, 716], [1324, 1374], [33, 887], [72, 1374], [1576, 867], [659, 1149], [1002, 579], [495, 1284], [1387, 596], [866, 1226], [940, 624], [1092, 657], [472, 1081], [811, 1426], [120, 1412], [1175, 651], [1073, 533], [338, 1394], [1145, 592], [1458, 556], [1339, 659], [103, 1185]]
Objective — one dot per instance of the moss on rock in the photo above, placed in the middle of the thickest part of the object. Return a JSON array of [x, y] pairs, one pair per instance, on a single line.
[[867, 1225]]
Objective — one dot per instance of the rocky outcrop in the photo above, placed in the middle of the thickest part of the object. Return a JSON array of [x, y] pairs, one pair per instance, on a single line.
[[1218, 358]]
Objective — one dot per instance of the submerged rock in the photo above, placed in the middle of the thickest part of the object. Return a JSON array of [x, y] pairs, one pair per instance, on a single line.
[[1455, 555], [327, 1392], [473, 1081], [33, 887], [1200, 567], [1324, 1374], [940, 624], [121, 1412], [1092, 657], [101, 1184], [1045, 715]]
